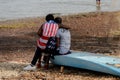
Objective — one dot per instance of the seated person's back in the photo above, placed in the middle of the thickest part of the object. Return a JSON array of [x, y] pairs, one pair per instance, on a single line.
[[63, 37]]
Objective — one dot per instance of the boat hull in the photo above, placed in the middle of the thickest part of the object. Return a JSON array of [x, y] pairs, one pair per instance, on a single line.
[[90, 61]]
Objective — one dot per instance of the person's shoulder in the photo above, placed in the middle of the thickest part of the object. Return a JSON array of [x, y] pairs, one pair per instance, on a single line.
[[64, 26]]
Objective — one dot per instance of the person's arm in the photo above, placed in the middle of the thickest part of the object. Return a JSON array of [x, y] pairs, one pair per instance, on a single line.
[[40, 31], [58, 39], [58, 42]]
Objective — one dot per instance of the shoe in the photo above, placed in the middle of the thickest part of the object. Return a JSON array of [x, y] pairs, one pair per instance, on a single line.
[[46, 66], [40, 64], [30, 67]]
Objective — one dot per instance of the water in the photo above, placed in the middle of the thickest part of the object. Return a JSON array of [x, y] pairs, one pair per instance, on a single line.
[[13, 9]]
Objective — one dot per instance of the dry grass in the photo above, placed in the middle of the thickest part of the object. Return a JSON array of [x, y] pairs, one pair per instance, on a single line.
[[19, 23]]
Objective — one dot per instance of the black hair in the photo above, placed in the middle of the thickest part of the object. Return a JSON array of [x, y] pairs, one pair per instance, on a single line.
[[49, 17], [58, 20]]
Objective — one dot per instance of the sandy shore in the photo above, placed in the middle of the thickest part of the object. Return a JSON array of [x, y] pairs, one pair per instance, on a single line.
[[97, 32]]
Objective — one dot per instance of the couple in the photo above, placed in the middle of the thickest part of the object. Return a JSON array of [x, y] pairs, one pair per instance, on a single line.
[[51, 28]]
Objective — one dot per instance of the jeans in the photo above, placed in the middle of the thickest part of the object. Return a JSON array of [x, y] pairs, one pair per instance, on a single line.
[[37, 55]]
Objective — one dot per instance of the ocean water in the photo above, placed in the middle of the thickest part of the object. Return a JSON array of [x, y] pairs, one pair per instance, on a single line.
[[13, 9]]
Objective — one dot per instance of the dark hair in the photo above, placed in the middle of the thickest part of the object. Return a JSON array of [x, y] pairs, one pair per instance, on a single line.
[[58, 20], [49, 17]]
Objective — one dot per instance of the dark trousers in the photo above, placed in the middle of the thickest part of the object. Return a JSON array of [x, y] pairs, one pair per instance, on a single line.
[[37, 55]]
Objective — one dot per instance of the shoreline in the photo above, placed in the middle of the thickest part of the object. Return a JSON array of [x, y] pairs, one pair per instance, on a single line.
[[58, 14]]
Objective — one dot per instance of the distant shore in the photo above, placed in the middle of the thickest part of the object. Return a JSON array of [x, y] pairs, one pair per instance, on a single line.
[[105, 21]]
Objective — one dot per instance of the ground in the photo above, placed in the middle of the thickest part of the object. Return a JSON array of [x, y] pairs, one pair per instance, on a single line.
[[97, 32]]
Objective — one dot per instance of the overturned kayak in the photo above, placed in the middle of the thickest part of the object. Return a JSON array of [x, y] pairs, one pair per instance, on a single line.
[[90, 61]]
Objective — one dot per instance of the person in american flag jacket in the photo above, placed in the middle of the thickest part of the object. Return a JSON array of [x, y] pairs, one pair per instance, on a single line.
[[47, 30]]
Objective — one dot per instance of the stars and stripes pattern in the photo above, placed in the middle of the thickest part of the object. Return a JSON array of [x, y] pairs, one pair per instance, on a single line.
[[49, 30]]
